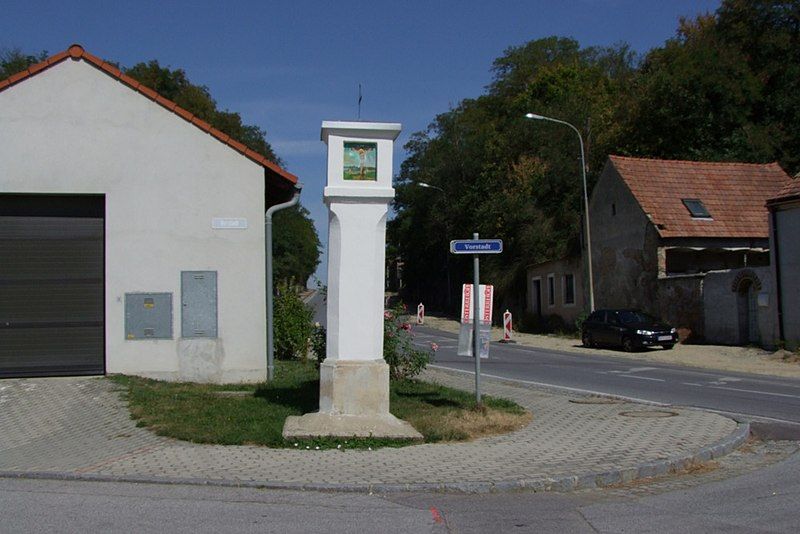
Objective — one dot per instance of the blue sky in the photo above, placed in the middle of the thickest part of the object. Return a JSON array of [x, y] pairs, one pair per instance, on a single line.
[[287, 66]]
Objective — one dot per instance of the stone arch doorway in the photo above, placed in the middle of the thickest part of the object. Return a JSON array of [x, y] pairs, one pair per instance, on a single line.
[[746, 285]]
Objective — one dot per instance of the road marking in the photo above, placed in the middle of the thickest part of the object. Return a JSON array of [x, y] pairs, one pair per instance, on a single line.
[[554, 386], [753, 417], [692, 384], [758, 392], [644, 378], [723, 381], [634, 370]]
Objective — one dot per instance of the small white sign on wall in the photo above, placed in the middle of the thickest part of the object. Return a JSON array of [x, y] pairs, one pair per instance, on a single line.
[[228, 223]]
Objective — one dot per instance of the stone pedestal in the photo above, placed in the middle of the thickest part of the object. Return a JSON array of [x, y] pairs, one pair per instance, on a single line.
[[354, 379]]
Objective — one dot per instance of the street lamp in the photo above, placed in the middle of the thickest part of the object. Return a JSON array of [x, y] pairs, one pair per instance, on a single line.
[[585, 200], [429, 186], [446, 229]]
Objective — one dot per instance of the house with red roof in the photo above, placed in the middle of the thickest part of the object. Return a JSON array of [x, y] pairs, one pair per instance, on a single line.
[[784, 211], [688, 241], [131, 231]]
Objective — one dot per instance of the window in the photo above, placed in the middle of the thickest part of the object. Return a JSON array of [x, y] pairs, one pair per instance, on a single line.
[[569, 289], [696, 208], [551, 290]]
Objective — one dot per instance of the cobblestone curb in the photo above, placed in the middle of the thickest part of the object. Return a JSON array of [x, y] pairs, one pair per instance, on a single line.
[[110, 448]]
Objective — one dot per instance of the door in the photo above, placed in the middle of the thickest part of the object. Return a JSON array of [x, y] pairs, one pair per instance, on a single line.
[[52, 285], [536, 304]]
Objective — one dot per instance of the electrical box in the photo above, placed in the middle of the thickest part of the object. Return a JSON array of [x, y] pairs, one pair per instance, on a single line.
[[198, 304], [148, 316]]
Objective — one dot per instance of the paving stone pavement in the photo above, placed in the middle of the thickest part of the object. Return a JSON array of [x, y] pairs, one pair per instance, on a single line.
[[80, 428]]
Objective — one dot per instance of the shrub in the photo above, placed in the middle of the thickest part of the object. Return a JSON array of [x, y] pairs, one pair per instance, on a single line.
[[405, 361], [580, 319], [319, 343], [292, 326]]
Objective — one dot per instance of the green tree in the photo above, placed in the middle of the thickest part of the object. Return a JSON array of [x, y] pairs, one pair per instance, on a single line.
[[504, 176], [296, 245], [174, 85], [14, 60], [727, 87]]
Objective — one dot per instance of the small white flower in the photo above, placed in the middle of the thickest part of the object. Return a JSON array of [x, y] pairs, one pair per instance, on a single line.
[[316, 448], [307, 447], [339, 446], [295, 444], [369, 448]]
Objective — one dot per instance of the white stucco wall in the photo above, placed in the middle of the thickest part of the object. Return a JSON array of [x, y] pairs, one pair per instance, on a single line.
[[73, 129]]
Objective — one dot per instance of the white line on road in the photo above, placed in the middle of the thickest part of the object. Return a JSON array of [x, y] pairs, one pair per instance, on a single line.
[[758, 392], [692, 384], [644, 378], [553, 386]]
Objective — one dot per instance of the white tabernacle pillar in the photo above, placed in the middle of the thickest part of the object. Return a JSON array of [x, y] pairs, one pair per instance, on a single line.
[[354, 378]]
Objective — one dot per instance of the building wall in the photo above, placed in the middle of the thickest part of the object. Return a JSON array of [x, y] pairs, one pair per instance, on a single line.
[[680, 303], [788, 246], [624, 247], [721, 303], [73, 129], [558, 269]]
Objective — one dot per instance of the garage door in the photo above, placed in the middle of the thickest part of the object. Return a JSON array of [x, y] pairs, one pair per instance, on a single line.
[[51, 285]]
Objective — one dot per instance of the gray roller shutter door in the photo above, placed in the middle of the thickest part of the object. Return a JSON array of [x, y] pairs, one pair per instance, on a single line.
[[51, 285]]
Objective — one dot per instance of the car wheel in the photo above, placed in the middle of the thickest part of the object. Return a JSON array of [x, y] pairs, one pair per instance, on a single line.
[[587, 340], [627, 344], [668, 346]]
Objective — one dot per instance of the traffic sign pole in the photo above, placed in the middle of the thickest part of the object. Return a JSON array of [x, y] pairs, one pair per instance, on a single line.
[[476, 247], [476, 321]]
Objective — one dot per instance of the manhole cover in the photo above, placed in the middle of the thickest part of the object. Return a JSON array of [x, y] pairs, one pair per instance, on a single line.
[[649, 413], [595, 400]]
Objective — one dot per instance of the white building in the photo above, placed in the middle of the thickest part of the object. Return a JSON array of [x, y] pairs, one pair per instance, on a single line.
[[131, 232]]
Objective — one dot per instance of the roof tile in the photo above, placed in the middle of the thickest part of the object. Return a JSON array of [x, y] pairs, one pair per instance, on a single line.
[[733, 193]]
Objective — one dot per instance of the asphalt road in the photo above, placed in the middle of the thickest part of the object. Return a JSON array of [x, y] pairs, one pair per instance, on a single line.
[[733, 393], [763, 500]]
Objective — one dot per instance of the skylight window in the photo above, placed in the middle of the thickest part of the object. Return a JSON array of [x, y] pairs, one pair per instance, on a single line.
[[696, 208]]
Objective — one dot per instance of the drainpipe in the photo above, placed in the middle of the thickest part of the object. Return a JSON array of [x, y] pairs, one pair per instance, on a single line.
[[270, 322]]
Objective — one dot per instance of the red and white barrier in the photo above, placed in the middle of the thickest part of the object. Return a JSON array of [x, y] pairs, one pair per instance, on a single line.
[[507, 328], [421, 313]]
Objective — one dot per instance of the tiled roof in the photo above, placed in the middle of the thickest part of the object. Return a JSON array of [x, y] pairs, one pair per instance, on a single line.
[[790, 192], [733, 193], [76, 52]]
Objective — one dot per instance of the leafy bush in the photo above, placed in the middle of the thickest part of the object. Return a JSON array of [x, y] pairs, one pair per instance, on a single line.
[[292, 326], [580, 319], [319, 343], [405, 361]]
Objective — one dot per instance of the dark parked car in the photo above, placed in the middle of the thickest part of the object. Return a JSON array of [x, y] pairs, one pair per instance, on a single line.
[[629, 329]]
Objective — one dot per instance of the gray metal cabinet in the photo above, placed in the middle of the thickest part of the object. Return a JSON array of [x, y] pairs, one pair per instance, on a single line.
[[199, 304]]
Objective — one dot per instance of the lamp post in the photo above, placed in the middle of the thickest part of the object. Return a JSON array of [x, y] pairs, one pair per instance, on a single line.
[[429, 186], [446, 229], [534, 116]]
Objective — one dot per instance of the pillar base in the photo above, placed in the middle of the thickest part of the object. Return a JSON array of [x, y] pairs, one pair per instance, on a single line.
[[353, 402]]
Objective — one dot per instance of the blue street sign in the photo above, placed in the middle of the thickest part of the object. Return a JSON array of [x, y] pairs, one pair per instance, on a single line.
[[476, 246]]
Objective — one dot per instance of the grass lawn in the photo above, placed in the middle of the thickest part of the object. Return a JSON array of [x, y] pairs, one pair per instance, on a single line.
[[254, 414]]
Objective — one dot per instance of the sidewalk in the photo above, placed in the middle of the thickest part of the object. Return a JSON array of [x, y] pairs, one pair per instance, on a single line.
[[78, 428], [720, 357]]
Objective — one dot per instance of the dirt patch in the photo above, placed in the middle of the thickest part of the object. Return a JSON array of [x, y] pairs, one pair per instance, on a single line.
[[476, 424], [723, 358]]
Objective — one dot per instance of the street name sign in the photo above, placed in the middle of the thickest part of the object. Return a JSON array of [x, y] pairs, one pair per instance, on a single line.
[[476, 246]]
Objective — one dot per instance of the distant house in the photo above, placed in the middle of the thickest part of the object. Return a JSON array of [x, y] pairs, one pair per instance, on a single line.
[[556, 288], [688, 241], [784, 236]]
